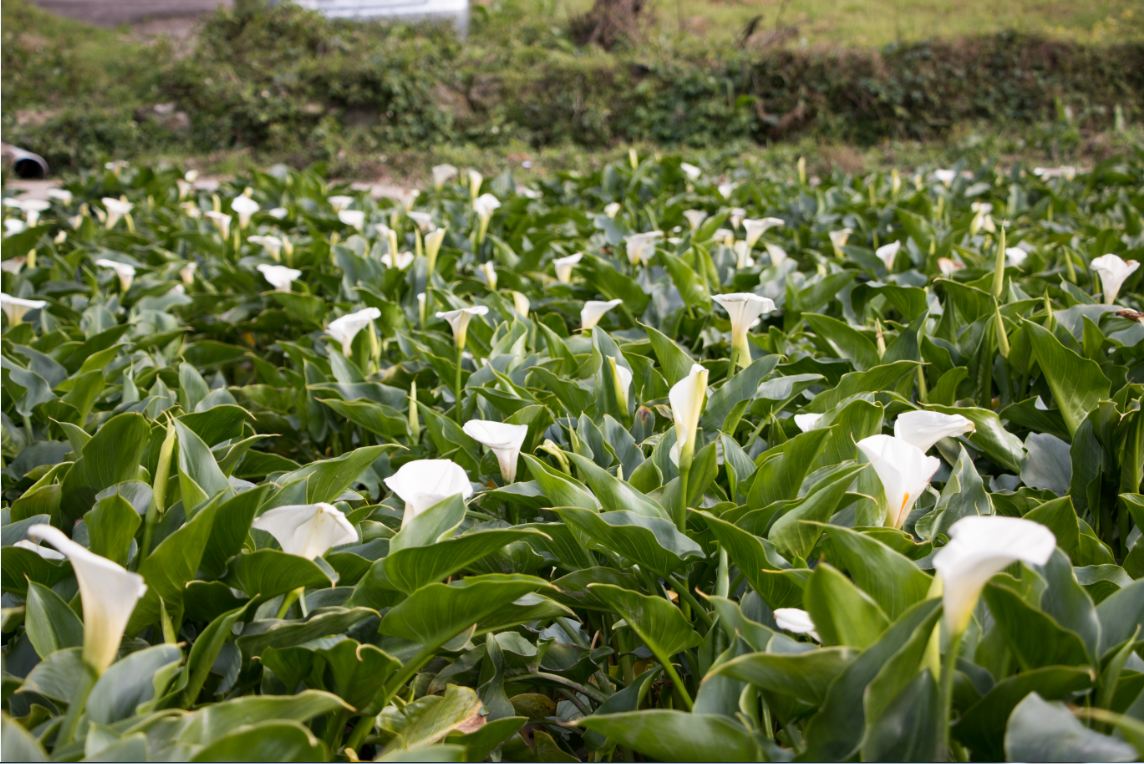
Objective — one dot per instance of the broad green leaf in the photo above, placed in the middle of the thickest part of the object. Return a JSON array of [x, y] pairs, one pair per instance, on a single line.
[[806, 676], [666, 735], [268, 741], [1077, 383], [651, 542], [1042, 731], [842, 613]]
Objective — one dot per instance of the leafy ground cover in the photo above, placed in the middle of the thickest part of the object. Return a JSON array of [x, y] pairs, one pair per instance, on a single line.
[[653, 461]]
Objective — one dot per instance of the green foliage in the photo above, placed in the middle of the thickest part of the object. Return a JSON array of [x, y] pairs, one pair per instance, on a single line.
[[605, 603]]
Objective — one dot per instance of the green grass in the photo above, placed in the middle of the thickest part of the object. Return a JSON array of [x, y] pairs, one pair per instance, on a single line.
[[878, 22]]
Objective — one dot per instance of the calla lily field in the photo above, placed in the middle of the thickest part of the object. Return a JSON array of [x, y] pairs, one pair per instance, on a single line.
[[662, 461]]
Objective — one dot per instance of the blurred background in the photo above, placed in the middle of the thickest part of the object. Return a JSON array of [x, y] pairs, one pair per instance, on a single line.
[[547, 84]]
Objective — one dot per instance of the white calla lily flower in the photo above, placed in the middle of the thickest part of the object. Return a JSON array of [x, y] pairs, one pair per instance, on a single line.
[[244, 207], [485, 205], [521, 304], [61, 195], [442, 174], [621, 381], [887, 253], [355, 219], [777, 254], [745, 310], [272, 245], [687, 397], [611, 209], [736, 216], [564, 266], [695, 218], [904, 471], [726, 188], [423, 220], [221, 222], [344, 329], [743, 257], [459, 321], [117, 209], [923, 429], [13, 226], [1015, 256], [425, 482], [838, 240], [724, 236], [30, 207], [753, 230], [489, 273], [475, 181], [279, 276], [15, 308], [979, 548], [125, 272], [949, 266], [399, 260], [433, 241], [307, 530], [1113, 271], [594, 310], [691, 171], [504, 440], [45, 552], [807, 422], [945, 177], [108, 592], [187, 273], [796, 621], [340, 202], [641, 246]]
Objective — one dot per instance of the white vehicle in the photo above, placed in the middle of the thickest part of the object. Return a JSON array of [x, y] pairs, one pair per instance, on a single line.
[[455, 12]]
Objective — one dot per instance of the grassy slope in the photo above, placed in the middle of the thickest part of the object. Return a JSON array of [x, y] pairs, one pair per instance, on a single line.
[[51, 62], [880, 22]]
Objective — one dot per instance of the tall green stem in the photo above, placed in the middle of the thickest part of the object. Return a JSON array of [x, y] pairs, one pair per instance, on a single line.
[[681, 507], [457, 388], [944, 720]]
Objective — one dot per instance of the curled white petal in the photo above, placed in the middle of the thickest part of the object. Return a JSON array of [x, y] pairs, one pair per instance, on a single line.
[[271, 244], [979, 548], [796, 621], [839, 238], [904, 471], [594, 310], [888, 252], [443, 173], [221, 222], [340, 202], [117, 209], [244, 207], [279, 276], [564, 266], [807, 422], [485, 205], [353, 218], [425, 482], [745, 309], [695, 218], [611, 209], [690, 170], [108, 592], [687, 397], [641, 246], [15, 308], [307, 530], [125, 272], [925, 428], [1113, 271], [754, 229], [459, 321], [504, 440], [344, 329]]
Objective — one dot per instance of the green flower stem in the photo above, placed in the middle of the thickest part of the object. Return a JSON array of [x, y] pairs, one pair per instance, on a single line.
[[76, 709], [723, 578], [688, 598], [158, 493], [944, 720], [457, 387], [289, 600], [680, 688], [681, 507]]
